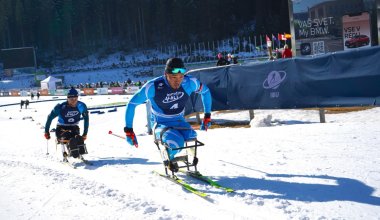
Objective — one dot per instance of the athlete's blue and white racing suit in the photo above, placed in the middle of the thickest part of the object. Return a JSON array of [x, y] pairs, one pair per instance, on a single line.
[[168, 108]]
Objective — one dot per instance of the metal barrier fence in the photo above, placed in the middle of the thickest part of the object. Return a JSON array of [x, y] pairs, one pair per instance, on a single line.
[[62, 92]]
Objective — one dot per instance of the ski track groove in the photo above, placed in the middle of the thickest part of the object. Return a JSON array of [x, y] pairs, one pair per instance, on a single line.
[[132, 202], [89, 188]]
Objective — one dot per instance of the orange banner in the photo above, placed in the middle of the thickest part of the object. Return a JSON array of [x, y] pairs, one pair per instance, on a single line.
[[88, 91], [15, 93], [44, 92]]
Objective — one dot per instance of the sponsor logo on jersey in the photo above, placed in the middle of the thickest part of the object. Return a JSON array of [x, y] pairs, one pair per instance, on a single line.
[[160, 86], [175, 106], [172, 97], [71, 114]]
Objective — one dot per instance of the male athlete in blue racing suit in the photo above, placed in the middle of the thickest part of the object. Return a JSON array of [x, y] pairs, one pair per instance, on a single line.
[[69, 113], [168, 95]]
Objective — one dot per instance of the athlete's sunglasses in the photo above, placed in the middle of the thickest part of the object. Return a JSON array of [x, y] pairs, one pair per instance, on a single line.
[[179, 70]]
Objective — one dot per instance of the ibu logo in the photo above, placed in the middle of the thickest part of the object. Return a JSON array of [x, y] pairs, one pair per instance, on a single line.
[[274, 79]]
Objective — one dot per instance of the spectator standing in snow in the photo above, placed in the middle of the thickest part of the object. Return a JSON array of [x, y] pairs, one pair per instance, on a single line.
[[26, 103], [287, 53], [234, 59], [221, 60], [229, 59]]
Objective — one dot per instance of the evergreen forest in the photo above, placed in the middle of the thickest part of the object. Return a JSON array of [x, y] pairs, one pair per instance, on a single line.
[[84, 26]]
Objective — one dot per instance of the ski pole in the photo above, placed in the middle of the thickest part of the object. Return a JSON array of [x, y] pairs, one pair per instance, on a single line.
[[110, 132], [119, 136], [47, 147]]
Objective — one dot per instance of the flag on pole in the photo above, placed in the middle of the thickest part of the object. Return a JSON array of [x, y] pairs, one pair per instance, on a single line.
[[267, 38], [281, 37], [269, 42], [275, 40]]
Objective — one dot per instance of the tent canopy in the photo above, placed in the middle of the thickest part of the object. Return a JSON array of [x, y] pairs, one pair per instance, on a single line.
[[50, 83]]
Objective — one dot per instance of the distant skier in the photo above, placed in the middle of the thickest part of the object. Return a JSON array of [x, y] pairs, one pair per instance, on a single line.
[[22, 103], [69, 113], [31, 95], [168, 95], [38, 95], [26, 103]]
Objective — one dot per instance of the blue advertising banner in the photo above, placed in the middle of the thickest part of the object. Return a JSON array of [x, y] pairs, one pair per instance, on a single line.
[[346, 78]]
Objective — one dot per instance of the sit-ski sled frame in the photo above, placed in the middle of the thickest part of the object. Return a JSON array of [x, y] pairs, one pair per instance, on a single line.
[[71, 148], [191, 144]]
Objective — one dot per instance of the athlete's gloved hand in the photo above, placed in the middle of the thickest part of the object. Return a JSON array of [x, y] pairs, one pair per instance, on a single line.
[[84, 137], [130, 137], [206, 123], [47, 135]]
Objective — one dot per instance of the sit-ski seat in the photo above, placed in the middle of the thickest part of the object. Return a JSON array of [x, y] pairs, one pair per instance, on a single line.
[[75, 147], [182, 160]]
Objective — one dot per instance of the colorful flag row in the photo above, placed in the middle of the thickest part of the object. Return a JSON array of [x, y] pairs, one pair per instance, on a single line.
[[279, 37]]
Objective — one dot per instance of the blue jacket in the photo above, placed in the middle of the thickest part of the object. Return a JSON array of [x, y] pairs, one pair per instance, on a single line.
[[167, 104], [68, 116]]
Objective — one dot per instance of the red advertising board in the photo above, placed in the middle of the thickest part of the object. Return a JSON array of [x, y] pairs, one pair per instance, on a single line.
[[15, 93], [44, 92], [88, 91]]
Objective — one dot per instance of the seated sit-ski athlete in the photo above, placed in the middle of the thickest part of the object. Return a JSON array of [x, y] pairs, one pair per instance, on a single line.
[[168, 95], [69, 114]]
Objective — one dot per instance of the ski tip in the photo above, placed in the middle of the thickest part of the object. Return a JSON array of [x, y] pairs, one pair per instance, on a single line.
[[230, 190]]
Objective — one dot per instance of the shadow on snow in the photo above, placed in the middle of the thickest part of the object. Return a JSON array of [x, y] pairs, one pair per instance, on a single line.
[[337, 188], [112, 161]]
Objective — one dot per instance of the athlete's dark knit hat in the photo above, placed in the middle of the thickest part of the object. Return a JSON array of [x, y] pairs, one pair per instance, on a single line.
[[173, 63], [72, 93]]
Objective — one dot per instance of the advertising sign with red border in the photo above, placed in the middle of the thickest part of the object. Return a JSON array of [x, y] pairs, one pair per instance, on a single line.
[[117, 90]]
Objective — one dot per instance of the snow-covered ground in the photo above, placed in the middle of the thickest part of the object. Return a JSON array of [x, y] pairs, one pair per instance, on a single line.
[[286, 166]]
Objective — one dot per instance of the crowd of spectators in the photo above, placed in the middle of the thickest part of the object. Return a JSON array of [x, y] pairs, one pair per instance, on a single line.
[[102, 84], [284, 52], [230, 59]]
